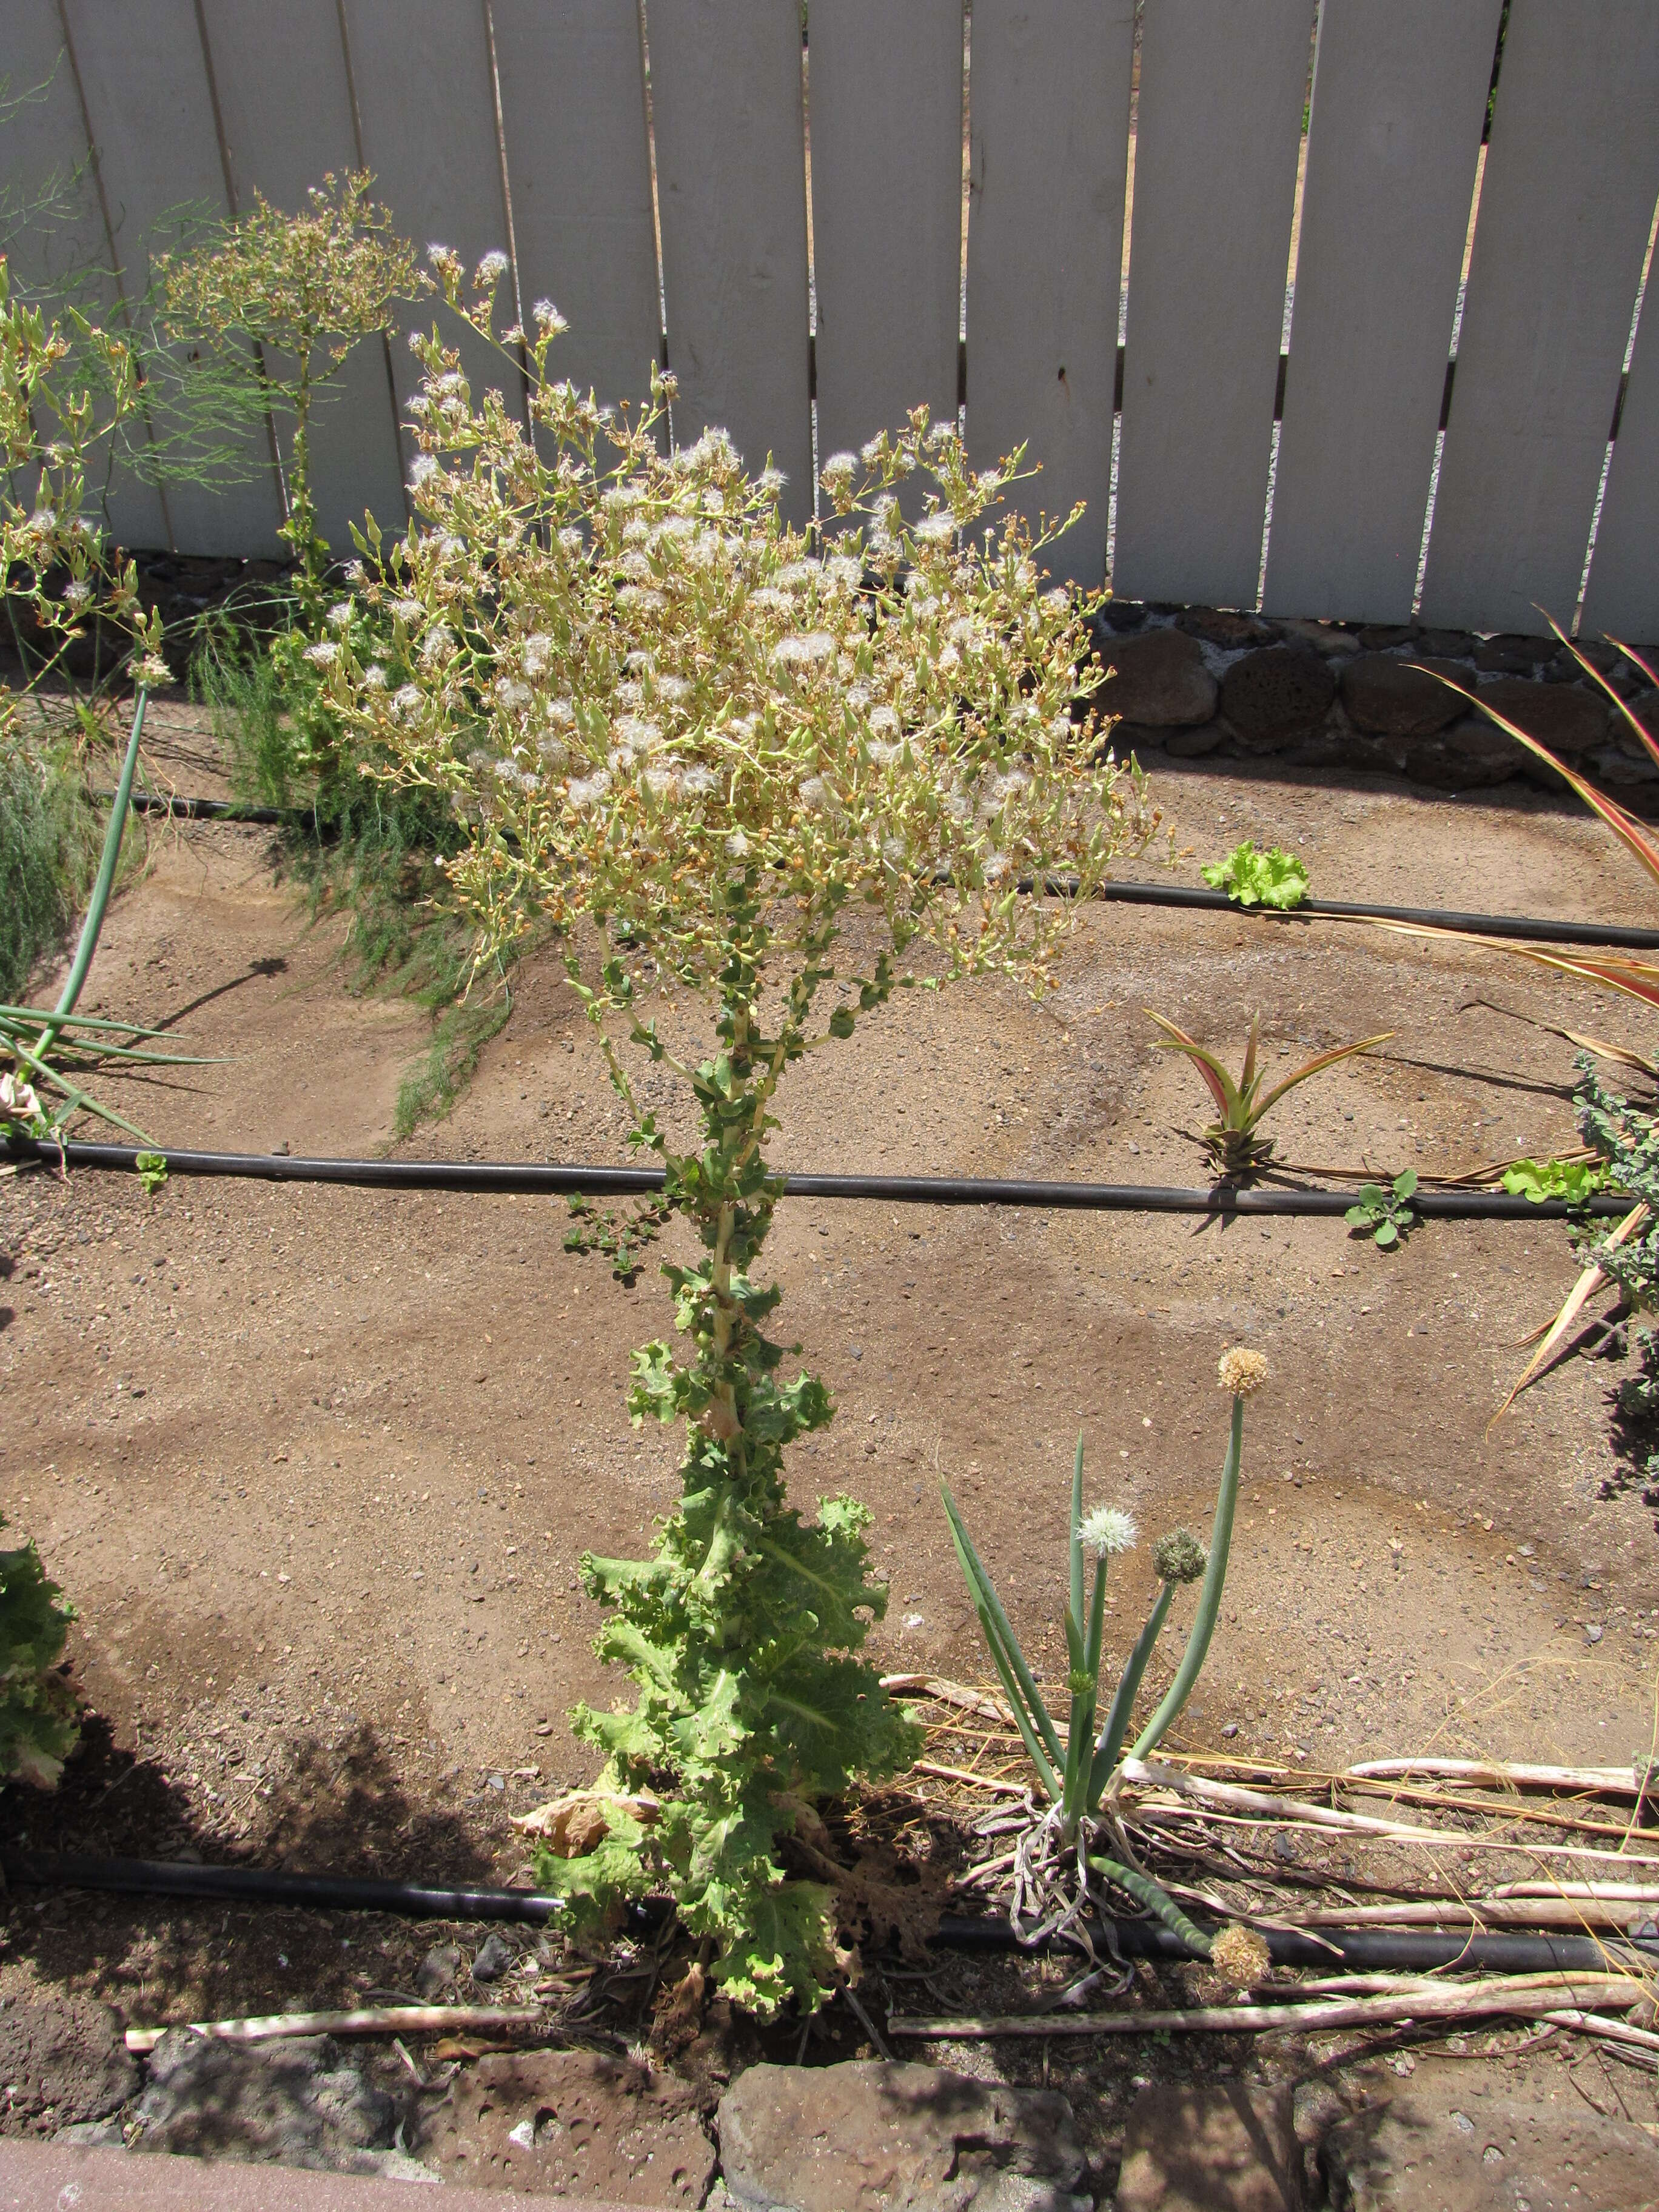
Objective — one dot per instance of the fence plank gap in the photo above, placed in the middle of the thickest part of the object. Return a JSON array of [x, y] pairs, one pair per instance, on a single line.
[[1218, 134], [1051, 122], [1571, 174]]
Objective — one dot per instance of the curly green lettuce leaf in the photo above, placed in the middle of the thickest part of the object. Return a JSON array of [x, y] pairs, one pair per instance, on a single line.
[[1575, 1181], [38, 1727], [1274, 878]]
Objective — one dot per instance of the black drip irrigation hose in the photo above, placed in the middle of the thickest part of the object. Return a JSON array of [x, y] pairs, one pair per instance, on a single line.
[[211, 810], [1545, 929], [1414, 1949], [506, 1178], [255, 1885], [1550, 930]]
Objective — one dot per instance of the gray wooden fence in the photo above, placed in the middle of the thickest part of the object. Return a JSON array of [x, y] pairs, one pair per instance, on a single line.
[[1213, 260]]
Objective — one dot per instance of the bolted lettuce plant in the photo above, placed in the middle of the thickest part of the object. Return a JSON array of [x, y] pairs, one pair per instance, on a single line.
[[303, 288], [38, 1725], [1058, 1855], [781, 779]]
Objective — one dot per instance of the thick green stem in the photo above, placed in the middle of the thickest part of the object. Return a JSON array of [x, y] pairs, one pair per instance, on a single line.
[[1157, 1900], [104, 883], [1129, 1688], [301, 510], [1209, 1595]]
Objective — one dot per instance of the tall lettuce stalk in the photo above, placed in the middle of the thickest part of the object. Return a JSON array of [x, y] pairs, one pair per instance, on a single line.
[[760, 783]]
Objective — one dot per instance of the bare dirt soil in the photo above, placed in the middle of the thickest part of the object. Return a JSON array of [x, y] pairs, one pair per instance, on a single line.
[[317, 1466]]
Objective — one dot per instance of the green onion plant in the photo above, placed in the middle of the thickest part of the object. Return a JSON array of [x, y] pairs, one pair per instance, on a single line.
[[1079, 1774]]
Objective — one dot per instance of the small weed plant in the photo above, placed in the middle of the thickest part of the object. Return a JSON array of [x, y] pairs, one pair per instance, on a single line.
[[1574, 1181], [304, 289], [38, 1726], [1627, 1138], [622, 1234], [1059, 1858], [763, 783], [1385, 1212]]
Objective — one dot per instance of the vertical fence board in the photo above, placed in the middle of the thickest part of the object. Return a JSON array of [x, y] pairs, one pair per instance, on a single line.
[[1624, 578], [285, 129], [726, 98], [147, 96], [426, 105], [1398, 104], [1221, 94], [1572, 169], [885, 96], [1049, 104], [67, 255], [578, 168], [42, 142]]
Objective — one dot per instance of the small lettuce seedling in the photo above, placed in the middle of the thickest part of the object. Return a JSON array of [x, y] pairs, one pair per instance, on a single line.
[[1385, 1215], [1575, 1181], [1273, 879]]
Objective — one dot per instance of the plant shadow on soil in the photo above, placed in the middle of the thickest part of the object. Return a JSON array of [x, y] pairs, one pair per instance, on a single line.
[[336, 1810]]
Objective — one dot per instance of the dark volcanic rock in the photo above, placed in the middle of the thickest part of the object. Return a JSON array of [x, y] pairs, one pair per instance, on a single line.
[[1158, 679], [297, 2102], [1277, 695], [1570, 721], [1386, 694], [1494, 2154], [1515, 656], [1472, 756], [572, 2124], [1232, 632], [913, 2138]]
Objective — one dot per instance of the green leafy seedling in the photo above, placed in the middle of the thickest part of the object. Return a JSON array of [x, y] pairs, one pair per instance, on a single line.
[[152, 1169], [1575, 1181], [1274, 878], [623, 1237], [1386, 1215]]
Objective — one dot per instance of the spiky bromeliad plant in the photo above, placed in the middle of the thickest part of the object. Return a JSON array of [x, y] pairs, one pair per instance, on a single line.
[[1231, 1142], [730, 764], [1059, 1853]]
